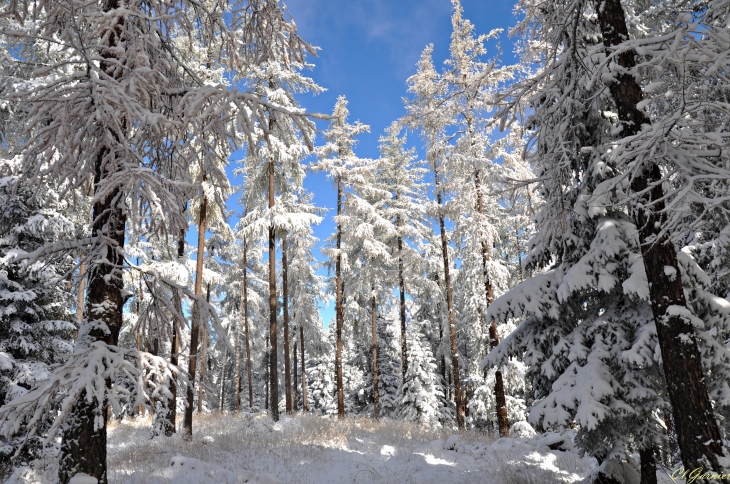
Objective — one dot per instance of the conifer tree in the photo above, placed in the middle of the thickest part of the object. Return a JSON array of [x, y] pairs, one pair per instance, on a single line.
[[337, 158]]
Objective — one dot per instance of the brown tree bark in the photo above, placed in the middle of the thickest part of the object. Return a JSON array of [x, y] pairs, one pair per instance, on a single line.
[[273, 355], [203, 356], [83, 446], [402, 301], [698, 435], [80, 295], [177, 322], [222, 395], [500, 399], [449, 302], [647, 465], [338, 309], [374, 316], [237, 376], [244, 290], [138, 338], [295, 397], [285, 295], [239, 361], [195, 325], [304, 372]]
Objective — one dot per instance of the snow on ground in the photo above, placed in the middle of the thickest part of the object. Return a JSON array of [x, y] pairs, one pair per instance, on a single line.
[[237, 448]]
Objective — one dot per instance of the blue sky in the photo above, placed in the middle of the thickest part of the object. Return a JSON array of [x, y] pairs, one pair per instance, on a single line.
[[369, 48]]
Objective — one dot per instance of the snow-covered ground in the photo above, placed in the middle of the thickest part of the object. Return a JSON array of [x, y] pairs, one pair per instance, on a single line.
[[236, 448]]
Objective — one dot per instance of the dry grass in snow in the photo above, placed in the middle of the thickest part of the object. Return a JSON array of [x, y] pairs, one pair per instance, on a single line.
[[312, 449]]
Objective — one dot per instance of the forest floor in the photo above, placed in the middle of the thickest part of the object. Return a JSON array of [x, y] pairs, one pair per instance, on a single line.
[[237, 448]]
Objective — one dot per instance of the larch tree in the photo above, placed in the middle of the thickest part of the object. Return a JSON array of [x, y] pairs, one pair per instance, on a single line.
[[338, 160], [401, 175], [426, 113]]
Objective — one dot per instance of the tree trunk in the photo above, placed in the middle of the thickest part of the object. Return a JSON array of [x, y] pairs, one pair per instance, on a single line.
[[295, 397], [449, 302], [374, 316], [304, 372], [138, 337], [195, 325], [698, 435], [669, 445], [285, 295], [402, 302], [83, 446], [502, 421], [175, 344], [648, 465], [501, 401], [80, 295], [237, 376], [239, 361], [273, 355], [245, 322], [203, 356], [223, 382], [338, 309]]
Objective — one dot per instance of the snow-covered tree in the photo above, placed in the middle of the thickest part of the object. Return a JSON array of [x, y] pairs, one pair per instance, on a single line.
[[420, 394], [615, 287], [337, 159], [36, 325]]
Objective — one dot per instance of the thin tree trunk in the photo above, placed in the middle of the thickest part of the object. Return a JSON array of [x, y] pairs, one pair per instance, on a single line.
[[195, 325], [374, 316], [295, 397], [237, 376], [245, 322], [203, 356], [502, 420], [80, 295], [402, 305], [239, 361], [273, 356], [338, 309], [285, 295], [304, 372], [449, 303], [441, 335], [223, 382], [698, 435], [177, 327], [138, 336]]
